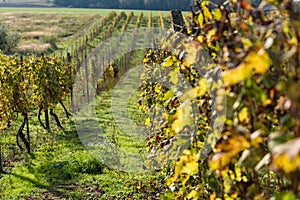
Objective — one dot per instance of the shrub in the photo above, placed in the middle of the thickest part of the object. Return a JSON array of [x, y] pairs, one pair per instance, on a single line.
[[8, 39]]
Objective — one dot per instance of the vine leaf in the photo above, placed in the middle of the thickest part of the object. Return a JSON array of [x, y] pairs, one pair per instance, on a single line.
[[255, 63], [244, 115], [173, 77], [197, 91], [287, 156], [227, 149], [188, 163], [182, 117], [168, 95], [148, 121], [170, 61], [192, 50]]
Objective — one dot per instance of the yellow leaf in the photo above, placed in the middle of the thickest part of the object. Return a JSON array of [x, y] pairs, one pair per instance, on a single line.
[[168, 95], [267, 102], [285, 163], [174, 77], [236, 75], [287, 156], [256, 138], [227, 149], [207, 13], [255, 63], [192, 49], [158, 89], [244, 115], [193, 195], [210, 35], [188, 163], [213, 196], [246, 42], [146, 60], [217, 14], [195, 92], [200, 39], [148, 121], [189, 95], [238, 174], [203, 85], [259, 61], [219, 160], [273, 2], [169, 61], [200, 20], [233, 143], [182, 117]]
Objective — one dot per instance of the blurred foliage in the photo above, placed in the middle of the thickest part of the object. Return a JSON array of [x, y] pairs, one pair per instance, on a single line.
[[8, 39], [222, 94]]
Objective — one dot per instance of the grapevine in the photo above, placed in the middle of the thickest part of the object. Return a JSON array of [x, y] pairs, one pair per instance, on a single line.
[[32, 83], [255, 54]]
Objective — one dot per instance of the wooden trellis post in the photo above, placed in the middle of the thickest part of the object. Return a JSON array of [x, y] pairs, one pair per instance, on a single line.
[[177, 21]]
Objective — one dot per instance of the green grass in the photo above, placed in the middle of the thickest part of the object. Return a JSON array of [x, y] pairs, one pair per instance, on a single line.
[[65, 168], [62, 167]]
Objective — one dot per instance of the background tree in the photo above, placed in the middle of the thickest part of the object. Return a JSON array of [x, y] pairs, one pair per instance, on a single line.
[[8, 39], [126, 4], [132, 4]]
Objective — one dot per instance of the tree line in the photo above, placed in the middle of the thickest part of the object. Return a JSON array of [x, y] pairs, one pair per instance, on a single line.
[[126, 4]]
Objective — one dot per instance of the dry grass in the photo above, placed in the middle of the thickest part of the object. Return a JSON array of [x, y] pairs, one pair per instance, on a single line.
[[64, 25], [35, 29], [34, 46], [51, 31]]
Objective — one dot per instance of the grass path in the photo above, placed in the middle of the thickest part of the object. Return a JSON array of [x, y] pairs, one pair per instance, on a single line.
[[67, 170], [62, 167]]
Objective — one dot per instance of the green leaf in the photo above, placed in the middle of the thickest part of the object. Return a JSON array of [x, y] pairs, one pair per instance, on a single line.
[[168, 95]]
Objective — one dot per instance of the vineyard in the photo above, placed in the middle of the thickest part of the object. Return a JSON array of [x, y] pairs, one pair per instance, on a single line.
[[129, 108], [41, 95]]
